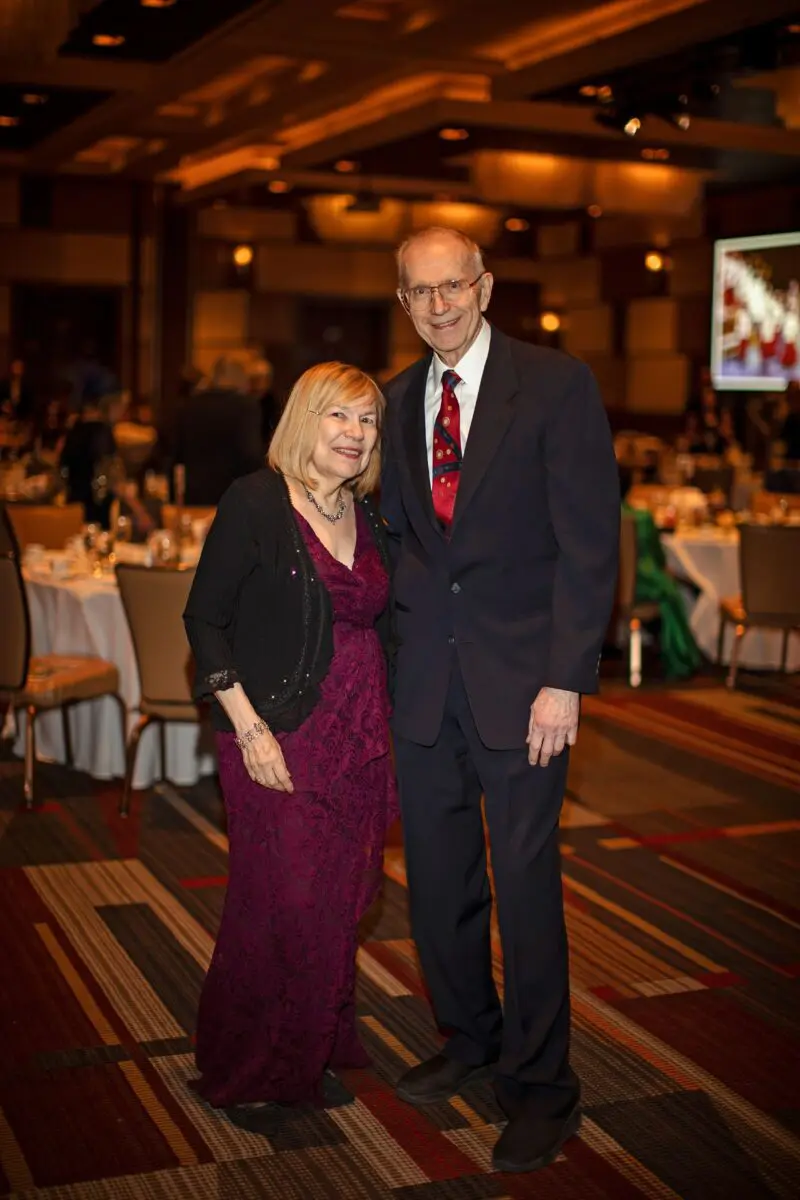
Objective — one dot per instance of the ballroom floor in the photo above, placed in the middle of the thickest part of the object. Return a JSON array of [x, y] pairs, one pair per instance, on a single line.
[[681, 841]]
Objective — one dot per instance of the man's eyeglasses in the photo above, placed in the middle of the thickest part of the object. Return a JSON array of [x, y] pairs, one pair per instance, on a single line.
[[451, 291]]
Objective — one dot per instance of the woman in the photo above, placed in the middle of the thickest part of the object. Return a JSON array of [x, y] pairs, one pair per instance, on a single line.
[[286, 618]]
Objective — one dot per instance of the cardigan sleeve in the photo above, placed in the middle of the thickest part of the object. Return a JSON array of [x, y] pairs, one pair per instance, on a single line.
[[228, 557]]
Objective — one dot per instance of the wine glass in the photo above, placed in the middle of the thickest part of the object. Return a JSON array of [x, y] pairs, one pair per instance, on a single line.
[[123, 529]]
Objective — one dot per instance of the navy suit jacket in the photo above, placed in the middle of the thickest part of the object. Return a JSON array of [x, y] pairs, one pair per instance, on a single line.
[[523, 586]]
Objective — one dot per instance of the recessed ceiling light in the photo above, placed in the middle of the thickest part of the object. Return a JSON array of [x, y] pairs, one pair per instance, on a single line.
[[517, 225], [7, 122], [34, 98], [278, 186], [156, 3], [243, 256], [655, 153], [588, 89], [632, 126], [594, 211], [345, 166], [453, 135], [654, 261], [550, 322], [108, 39]]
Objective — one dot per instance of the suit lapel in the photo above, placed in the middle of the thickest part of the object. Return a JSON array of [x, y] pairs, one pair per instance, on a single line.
[[412, 420], [493, 412]]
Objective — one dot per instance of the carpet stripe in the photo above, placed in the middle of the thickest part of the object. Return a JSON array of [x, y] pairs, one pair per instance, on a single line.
[[196, 819], [775, 1149], [388, 983], [226, 1142], [477, 1142], [715, 934], [611, 1164], [738, 893], [80, 991], [158, 1114], [71, 898], [659, 935], [383, 1153], [12, 1159], [697, 744], [391, 1041]]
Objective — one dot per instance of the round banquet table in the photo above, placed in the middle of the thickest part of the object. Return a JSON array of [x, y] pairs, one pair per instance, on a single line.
[[709, 558], [85, 616]]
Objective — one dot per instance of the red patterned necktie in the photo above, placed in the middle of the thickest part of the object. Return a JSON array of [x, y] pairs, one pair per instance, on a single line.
[[447, 451]]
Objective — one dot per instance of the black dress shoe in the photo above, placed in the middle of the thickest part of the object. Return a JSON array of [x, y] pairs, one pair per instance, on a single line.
[[438, 1078], [529, 1143]]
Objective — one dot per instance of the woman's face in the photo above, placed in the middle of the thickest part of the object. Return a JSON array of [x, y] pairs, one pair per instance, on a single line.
[[346, 437]]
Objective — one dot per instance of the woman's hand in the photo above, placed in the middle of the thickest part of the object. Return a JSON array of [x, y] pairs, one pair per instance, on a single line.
[[264, 763]]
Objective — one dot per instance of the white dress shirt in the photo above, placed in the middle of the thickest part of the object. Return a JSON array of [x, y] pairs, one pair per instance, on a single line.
[[470, 370]]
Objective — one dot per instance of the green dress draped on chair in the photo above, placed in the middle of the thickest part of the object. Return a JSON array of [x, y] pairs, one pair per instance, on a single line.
[[654, 584]]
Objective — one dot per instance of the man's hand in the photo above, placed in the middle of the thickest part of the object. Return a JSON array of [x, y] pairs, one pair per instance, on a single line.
[[553, 724]]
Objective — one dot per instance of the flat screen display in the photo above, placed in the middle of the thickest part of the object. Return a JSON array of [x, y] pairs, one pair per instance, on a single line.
[[755, 330]]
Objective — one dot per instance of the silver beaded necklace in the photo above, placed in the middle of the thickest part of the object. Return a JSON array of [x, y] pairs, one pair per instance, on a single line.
[[332, 517]]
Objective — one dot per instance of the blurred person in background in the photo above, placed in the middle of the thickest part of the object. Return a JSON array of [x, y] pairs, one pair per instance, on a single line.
[[16, 394], [88, 449], [288, 620], [218, 435]]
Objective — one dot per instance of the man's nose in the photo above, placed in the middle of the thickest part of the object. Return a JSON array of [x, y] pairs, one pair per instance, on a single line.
[[438, 305]]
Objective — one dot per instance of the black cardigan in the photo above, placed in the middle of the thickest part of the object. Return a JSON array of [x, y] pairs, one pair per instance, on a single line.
[[257, 613]]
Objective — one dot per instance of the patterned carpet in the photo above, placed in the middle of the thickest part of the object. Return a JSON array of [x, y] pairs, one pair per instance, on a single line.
[[681, 847]]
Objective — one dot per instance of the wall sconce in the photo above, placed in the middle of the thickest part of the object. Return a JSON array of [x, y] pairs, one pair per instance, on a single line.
[[243, 256], [550, 322], [654, 261]]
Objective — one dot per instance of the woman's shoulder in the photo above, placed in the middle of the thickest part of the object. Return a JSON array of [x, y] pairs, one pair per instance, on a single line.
[[261, 488]]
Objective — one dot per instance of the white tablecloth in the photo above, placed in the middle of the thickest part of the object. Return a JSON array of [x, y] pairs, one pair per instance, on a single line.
[[710, 559], [85, 616]]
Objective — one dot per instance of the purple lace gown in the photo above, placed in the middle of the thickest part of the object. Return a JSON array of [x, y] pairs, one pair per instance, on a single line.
[[277, 1007]]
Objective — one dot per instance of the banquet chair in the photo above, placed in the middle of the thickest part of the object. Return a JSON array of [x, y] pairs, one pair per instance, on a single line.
[[48, 525], [154, 599], [768, 556], [628, 609], [43, 682]]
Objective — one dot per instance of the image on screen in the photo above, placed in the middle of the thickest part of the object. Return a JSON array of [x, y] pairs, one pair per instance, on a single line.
[[755, 333]]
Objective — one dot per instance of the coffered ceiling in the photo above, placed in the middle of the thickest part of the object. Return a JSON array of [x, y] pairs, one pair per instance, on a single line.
[[415, 98]]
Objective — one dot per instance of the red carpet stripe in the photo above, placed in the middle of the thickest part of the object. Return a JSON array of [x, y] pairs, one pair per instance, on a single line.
[[436, 1156]]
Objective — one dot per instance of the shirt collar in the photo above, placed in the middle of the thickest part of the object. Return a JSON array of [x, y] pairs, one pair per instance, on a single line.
[[470, 367]]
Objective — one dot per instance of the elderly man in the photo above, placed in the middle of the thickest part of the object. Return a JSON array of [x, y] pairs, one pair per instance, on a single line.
[[500, 492]]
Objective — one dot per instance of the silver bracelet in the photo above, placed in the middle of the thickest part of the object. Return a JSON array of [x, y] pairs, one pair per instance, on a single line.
[[250, 735]]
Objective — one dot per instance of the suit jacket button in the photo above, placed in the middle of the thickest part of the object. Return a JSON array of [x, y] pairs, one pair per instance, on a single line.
[[451, 641], [455, 588]]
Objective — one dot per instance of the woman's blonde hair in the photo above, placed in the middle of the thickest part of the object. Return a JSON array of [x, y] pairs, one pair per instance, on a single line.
[[317, 391]]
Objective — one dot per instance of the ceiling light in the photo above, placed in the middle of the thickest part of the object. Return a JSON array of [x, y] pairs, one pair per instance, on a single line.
[[345, 166], [453, 135], [550, 322], [683, 121], [594, 211], [278, 186], [34, 98], [517, 225], [243, 256], [655, 153], [588, 89], [621, 121], [654, 261], [108, 39], [604, 93], [7, 122], [156, 3]]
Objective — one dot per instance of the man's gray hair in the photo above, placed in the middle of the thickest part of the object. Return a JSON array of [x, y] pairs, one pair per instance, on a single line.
[[471, 249]]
